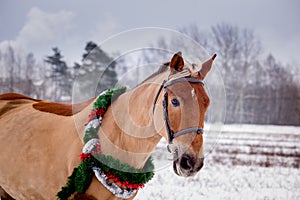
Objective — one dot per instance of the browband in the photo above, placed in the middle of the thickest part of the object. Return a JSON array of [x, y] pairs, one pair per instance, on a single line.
[[166, 84]]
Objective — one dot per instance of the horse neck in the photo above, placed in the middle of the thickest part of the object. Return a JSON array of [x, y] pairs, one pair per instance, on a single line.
[[81, 119], [128, 131]]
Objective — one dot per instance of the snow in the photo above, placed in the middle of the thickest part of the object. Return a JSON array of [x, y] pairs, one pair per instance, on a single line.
[[224, 182], [241, 162]]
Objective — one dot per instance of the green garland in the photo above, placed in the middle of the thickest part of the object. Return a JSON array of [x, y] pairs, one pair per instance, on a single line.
[[90, 134], [124, 171], [108, 97], [81, 177]]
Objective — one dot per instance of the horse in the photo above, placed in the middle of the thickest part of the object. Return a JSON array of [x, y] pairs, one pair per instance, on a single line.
[[40, 141]]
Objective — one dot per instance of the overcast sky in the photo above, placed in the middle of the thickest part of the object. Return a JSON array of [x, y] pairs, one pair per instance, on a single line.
[[37, 26]]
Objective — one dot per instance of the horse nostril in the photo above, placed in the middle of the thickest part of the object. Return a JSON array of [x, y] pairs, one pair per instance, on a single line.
[[186, 163]]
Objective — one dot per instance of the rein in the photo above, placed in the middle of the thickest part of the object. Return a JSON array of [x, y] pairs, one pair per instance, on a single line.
[[171, 133]]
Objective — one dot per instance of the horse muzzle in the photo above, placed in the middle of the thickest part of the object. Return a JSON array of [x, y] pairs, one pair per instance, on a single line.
[[187, 165]]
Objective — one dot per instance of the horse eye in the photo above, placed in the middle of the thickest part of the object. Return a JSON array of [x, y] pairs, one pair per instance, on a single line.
[[175, 102]]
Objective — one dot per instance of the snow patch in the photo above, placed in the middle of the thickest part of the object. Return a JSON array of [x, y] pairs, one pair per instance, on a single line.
[[243, 162]]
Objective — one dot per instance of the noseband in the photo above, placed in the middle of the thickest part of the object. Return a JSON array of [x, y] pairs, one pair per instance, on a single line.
[[165, 84]]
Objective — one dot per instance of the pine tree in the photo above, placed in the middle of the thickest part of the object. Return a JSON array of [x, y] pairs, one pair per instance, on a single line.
[[97, 71], [60, 75], [59, 66]]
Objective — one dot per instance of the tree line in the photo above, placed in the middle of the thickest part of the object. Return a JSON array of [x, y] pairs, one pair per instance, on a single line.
[[260, 89], [52, 79]]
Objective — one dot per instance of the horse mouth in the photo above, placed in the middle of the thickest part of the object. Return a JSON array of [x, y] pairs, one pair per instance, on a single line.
[[177, 169]]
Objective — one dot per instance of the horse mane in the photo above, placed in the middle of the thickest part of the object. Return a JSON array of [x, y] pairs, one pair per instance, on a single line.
[[61, 108], [50, 107], [164, 67]]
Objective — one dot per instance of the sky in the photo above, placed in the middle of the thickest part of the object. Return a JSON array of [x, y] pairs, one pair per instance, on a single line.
[[37, 26]]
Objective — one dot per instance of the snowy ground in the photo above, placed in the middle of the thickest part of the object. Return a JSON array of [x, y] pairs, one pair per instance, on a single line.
[[243, 162]]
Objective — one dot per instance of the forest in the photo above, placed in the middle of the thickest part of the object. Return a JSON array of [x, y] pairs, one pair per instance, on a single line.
[[259, 88]]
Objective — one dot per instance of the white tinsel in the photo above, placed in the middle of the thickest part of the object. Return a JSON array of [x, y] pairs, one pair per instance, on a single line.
[[95, 123], [102, 178], [112, 187], [90, 145], [103, 93]]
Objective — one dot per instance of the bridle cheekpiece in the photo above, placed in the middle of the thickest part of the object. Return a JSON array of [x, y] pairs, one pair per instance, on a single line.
[[171, 133]]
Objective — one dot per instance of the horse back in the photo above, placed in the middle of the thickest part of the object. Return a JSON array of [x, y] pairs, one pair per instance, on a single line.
[[11, 101], [15, 96]]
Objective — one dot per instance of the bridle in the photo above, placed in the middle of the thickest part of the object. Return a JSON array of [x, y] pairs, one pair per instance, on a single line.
[[164, 85]]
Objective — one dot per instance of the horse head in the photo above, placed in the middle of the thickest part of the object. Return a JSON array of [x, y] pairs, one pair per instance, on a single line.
[[185, 103]]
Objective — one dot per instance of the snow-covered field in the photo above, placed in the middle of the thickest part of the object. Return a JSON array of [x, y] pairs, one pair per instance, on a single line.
[[242, 162]]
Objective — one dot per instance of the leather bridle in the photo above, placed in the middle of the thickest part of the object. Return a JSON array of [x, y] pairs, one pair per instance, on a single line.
[[164, 85]]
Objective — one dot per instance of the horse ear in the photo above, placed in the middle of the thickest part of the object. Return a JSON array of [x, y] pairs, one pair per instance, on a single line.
[[177, 63], [206, 66]]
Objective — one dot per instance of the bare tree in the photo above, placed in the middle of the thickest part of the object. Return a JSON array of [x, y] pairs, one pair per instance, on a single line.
[[239, 51], [10, 62], [29, 65], [258, 90]]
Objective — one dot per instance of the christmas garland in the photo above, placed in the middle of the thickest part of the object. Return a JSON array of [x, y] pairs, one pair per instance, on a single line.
[[120, 178]]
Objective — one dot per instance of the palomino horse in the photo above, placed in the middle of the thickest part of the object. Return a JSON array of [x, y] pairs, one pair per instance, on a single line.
[[40, 142]]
